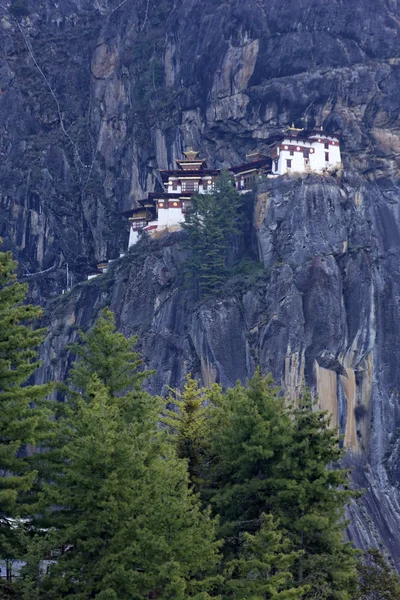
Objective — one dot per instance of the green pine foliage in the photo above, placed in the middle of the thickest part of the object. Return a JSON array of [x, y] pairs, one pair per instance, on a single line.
[[262, 569], [310, 496], [110, 355], [210, 225], [119, 500], [23, 414], [187, 425], [376, 579], [266, 458], [126, 509], [250, 430]]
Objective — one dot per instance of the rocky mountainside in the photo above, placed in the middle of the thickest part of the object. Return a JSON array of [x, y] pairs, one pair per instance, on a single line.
[[97, 95]]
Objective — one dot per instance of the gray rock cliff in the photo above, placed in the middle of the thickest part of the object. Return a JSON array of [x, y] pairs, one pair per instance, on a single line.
[[96, 96]]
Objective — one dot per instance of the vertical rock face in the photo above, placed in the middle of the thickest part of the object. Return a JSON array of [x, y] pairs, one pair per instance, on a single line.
[[97, 95]]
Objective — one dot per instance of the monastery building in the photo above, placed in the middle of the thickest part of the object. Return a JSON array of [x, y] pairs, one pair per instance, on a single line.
[[292, 151]]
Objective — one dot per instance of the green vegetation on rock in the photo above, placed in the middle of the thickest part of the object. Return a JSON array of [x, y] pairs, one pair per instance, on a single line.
[[210, 225]]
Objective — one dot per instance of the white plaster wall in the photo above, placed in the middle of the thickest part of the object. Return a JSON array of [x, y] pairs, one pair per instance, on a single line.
[[175, 216], [317, 159], [162, 217], [133, 237], [168, 188], [297, 162], [334, 155]]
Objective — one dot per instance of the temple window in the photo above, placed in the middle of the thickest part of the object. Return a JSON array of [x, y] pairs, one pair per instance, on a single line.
[[289, 163], [326, 145], [137, 225], [175, 185], [327, 156], [291, 152], [190, 186]]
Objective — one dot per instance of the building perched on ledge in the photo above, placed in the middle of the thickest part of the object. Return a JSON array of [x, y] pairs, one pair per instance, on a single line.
[[301, 151], [165, 210], [292, 151]]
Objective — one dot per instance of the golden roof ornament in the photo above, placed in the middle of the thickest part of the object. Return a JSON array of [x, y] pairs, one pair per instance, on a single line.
[[293, 128], [191, 154]]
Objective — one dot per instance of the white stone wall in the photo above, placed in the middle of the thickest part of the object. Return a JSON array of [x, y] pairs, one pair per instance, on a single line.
[[319, 158], [175, 216], [133, 237]]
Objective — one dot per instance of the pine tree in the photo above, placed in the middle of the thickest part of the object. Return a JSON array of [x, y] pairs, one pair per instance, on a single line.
[[262, 569], [187, 424], [210, 225], [310, 494], [377, 580], [124, 512], [269, 459], [250, 430], [110, 355], [23, 414]]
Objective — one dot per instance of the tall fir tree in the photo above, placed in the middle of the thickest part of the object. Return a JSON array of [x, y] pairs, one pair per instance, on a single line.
[[124, 512], [109, 354], [187, 425], [310, 494], [23, 414], [250, 430], [210, 225], [266, 458]]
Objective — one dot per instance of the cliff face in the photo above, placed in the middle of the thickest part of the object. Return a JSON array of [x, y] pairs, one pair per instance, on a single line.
[[96, 96]]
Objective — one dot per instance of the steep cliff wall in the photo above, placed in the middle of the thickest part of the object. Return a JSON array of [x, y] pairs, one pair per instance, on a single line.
[[96, 96]]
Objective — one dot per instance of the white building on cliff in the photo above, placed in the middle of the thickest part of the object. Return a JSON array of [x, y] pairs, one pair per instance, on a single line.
[[300, 151], [292, 151]]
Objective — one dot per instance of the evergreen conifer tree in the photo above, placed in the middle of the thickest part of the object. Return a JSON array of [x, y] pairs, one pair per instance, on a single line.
[[377, 580], [110, 355], [125, 515], [210, 224], [250, 430], [23, 414], [187, 424], [310, 494], [262, 569], [266, 458]]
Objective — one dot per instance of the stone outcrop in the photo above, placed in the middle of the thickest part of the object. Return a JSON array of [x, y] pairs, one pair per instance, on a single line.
[[97, 95]]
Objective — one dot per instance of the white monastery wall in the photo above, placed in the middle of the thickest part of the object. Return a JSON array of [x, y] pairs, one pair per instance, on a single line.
[[133, 237]]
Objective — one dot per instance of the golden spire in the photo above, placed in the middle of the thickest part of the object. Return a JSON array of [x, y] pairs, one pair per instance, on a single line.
[[293, 128], [191, 154]]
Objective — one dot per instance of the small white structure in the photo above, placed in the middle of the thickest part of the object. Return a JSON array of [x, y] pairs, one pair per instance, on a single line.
[[299, 151]]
